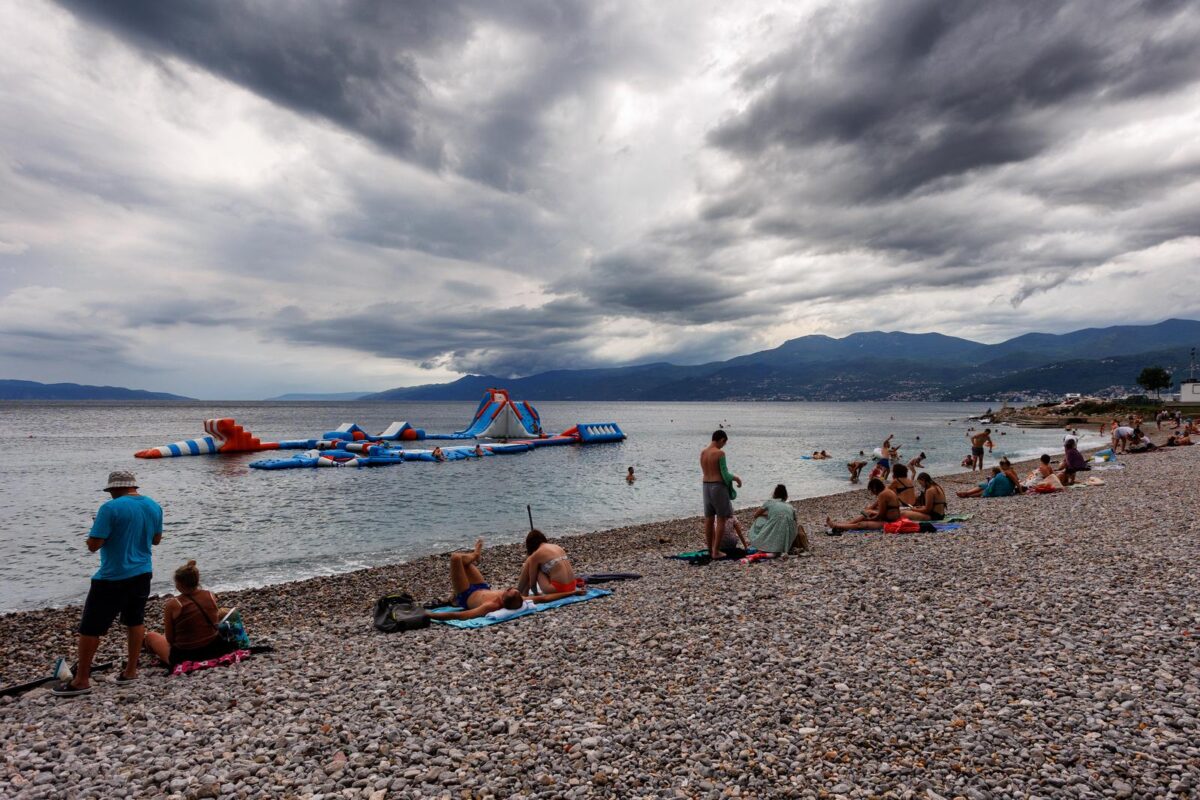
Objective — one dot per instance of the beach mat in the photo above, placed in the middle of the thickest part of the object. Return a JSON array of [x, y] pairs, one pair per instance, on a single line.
[[696, 554], [484, 622], [940, 526], [609, 577], [956, 517], [758, 558]]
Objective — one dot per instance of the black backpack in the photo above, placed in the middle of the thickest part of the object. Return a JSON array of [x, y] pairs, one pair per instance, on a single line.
[[398, 612]]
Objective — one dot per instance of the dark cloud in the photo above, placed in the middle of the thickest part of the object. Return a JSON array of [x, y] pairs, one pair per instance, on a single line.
[[502, 341], [459, 290], [922, 90], [350, 63], [357, 65], [474, 227], [660, 283], [920, 137], [34, 344]]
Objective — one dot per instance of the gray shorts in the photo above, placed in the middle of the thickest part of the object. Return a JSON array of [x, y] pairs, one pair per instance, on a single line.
[[716, 500]]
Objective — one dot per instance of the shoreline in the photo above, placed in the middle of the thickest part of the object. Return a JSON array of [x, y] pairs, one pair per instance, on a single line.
[[646, 536], [1049, 646], [82, 580], [347, 524]]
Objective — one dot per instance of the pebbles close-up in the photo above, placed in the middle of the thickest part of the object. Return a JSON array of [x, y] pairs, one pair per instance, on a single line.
[[1047, 648]]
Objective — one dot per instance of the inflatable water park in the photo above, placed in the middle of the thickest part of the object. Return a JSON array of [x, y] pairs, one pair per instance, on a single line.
[[501, 426]]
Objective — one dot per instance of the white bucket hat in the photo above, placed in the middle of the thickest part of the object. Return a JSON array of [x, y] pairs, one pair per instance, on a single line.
[[121, 479]]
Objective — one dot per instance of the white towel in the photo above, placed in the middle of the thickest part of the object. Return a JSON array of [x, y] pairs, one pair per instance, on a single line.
[[505, 613]]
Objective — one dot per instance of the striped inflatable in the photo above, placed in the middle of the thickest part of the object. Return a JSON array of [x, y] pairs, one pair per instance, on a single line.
[[224, 436], [188, 447]]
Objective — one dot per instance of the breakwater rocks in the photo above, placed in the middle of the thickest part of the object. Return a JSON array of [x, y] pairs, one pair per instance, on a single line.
[[1049, 648]]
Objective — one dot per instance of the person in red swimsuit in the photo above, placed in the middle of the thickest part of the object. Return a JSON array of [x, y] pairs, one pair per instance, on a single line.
[[546, 567]]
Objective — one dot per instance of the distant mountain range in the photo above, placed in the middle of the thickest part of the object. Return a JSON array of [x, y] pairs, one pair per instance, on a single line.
[[862, 366], [868, 366], [32, 390]]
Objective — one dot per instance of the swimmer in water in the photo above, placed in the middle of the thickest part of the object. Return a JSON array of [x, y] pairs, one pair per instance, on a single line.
[[629, 476]]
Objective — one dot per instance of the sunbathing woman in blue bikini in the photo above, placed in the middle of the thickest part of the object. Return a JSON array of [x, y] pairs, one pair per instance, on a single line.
[[476, 597]]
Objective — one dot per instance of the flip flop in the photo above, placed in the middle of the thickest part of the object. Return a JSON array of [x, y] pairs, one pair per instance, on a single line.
[[122, 680], [65, 689]]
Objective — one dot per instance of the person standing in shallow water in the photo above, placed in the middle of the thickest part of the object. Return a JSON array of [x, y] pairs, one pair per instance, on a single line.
[[629, 476], [125, 529], [718, 492], [978, 442]]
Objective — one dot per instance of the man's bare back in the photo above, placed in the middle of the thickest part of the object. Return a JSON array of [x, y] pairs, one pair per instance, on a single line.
[[710, 463]]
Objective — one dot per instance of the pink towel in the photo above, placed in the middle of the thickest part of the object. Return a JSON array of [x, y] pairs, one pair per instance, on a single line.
[[186, 667]]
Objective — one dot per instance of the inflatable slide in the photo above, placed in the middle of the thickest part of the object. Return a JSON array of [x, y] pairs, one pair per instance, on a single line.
[[499, 417]]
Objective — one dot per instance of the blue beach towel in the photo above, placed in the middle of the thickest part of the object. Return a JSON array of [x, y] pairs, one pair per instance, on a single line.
[[483, 622]]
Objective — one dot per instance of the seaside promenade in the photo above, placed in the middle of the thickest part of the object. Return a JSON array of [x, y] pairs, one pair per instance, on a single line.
[[1049, 648]]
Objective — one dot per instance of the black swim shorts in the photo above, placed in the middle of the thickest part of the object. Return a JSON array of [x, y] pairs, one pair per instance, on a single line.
[[107, 600], [976, 450]]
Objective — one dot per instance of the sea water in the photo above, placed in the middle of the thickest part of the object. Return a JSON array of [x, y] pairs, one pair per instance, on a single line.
[[250, 527]]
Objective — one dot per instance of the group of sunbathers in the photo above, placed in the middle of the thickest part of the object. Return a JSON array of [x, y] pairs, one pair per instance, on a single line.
[[546, 570], [922, 500]]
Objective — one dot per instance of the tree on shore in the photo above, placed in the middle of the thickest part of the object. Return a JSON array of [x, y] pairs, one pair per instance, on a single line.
[[1154, 379]]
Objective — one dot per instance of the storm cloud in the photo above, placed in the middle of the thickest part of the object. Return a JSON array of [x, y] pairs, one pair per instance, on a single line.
[[237, 199]]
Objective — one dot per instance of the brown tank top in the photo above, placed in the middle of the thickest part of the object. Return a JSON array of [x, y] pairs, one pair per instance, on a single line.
[[192, 628]]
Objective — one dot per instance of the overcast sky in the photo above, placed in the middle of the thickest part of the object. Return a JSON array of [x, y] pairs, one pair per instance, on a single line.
[[241, 198]]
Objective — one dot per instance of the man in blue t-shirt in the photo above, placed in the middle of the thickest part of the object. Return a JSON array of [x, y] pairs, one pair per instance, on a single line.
[[125, 529]]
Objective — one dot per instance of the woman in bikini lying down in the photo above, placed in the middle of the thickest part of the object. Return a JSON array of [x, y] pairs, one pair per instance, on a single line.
[[476, 597], [547, 568]]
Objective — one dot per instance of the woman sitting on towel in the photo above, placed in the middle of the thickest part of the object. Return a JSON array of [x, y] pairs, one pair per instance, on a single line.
[[547, 568], [931, 505], [189, 623], [903, 485], [886, 508], [1007, 468], [775, 528], [1000, 485], [476, 597], [1073, 461]]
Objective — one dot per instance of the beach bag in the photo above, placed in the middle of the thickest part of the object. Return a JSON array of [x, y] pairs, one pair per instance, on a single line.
[[230, 629], [902, 526], [398, 612], [233, 630]]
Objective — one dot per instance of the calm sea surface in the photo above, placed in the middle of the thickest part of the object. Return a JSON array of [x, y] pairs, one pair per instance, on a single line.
[[249, 527]]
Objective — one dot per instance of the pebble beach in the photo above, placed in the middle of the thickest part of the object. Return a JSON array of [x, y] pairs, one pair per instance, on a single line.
[[1048, 648]]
